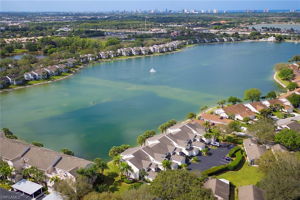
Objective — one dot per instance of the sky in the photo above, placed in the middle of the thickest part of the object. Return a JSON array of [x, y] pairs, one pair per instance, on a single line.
[[112, 5]]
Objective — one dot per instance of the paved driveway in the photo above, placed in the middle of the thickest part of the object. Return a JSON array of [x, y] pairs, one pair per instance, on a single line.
[[214, 159]]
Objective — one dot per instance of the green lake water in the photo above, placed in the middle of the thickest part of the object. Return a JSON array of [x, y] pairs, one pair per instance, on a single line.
[[111, 103]]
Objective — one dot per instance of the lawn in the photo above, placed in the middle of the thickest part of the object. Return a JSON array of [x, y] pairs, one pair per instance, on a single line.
[[247, 175], [282, 81]]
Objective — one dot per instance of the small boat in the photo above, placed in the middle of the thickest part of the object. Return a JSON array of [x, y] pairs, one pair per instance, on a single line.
[[152, 70]]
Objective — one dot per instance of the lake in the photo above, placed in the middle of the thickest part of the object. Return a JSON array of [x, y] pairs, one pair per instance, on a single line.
[[111, 103]]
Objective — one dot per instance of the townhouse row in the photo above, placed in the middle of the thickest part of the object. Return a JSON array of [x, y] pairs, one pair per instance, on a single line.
[[250, 110], [179, 142], [38, 74], [21, 155]]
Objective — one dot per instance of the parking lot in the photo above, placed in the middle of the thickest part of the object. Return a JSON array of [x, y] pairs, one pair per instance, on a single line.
[[215, 158]]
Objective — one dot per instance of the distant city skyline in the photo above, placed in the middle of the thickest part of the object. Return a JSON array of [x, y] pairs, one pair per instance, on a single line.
[[120, 5]]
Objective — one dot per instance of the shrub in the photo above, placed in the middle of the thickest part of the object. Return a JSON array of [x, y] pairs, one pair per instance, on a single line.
[[135, 185], [215, 170], [233, 151], [128, 181], [38, 144], [236, 162]]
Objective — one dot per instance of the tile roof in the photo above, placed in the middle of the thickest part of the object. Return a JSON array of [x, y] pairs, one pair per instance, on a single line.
[[239, 109], [258, 106], [215, 118], [11, 149]]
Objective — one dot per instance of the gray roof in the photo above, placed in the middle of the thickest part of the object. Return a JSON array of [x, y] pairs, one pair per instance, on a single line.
[[27, 187], [253, 150], [218, 187], [42, 158], [130, 151], [11, 195], [140, 160], [295, 125], [286, 121], [196, 127], [250, 192]]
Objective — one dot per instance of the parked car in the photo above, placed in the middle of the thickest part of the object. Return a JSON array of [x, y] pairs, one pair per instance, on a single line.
[[217, 144], [227, 158]]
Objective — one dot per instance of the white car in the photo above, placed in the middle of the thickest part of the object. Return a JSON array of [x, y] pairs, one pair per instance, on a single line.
[[215, 144]]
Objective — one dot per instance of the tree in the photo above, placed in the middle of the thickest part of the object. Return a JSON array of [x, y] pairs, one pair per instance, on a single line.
[[117, 160], [116, 150], [67, 151], [279, 38], [233, 126], [271, 95], [203, 108], [286, 74], [74, 190], [292, 86], [252, 94], [191, 115], [264, 129], [166, 164], [295, 58], [141, 140], [167, 125], [205, 151], [221, 103], [294, 99], [34, 174], [177, 184], [288, 138], [100, 164], [233, 100], [125, 168], [266, 113], [141, 193], [282, 175], [9, 134], [102, 196], [5, 170]]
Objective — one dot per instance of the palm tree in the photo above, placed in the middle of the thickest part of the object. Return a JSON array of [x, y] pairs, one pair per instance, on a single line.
[[125, 168], [142, 174], [166, 164], [205, 151], [207, 126], [117, 160], [221, 103], [100, 164]]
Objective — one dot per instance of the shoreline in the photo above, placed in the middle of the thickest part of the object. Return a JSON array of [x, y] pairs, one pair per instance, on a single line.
[[133, 57], [91, 64]]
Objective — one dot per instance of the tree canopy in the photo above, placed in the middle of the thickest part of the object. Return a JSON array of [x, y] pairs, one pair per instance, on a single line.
[[263, 129], [252, 94], [288, 138], [233, 100], [282, 175], [116, 150], [179, 184], [286, 73], [294, 99]]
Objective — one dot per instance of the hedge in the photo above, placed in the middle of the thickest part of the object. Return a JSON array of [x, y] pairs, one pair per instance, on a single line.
[[235, 163], [215, 170], [231, 166], [233, 151]]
